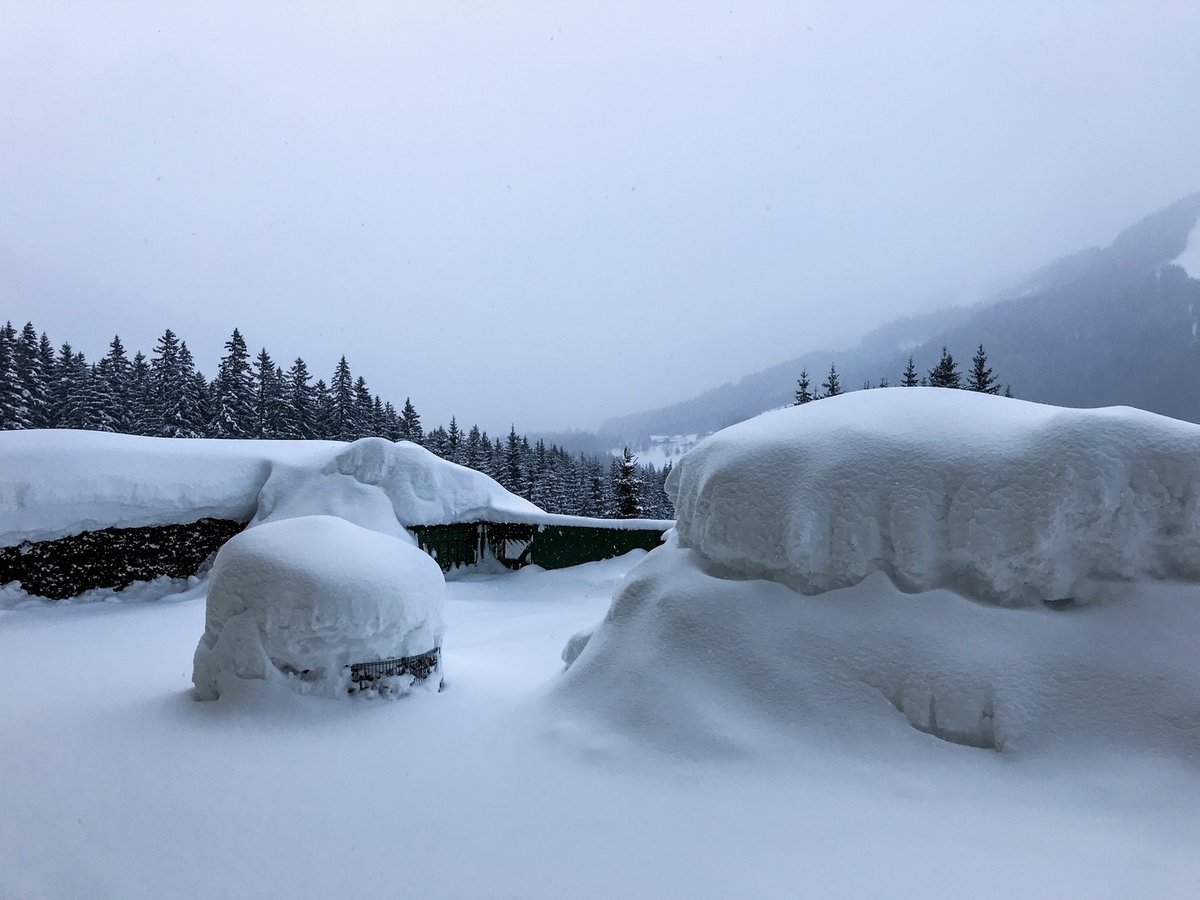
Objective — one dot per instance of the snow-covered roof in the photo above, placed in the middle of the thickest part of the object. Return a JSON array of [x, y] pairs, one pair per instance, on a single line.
[[61, 482], [1002, 500]]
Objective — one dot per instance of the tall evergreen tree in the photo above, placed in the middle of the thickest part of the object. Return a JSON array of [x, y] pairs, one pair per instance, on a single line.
[[323, 424], [803, 394], [831, 384], [35, 390], [981, 379], [167, 379], [910, 378], [67, 395], [14, 410], [99, 402], [300, 411], [49, 376], [391, 422], [115, 369], [233, 413], [364, 409], [140, 398], [268, 397], [474, 449], [454, 440], [945, 373], [512, 477], [410, 423], [627, 487]]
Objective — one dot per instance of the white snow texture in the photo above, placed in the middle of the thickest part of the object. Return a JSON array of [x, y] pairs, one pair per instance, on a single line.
[[1001, 500], [870, 566], [104, 480], [295, 602]]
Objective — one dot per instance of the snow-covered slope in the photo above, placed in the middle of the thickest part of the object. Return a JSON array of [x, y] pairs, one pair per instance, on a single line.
[[58, 483], [1189, 259], [870, 567]]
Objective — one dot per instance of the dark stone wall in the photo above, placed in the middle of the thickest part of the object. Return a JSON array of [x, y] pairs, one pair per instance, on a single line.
[[113, 557]]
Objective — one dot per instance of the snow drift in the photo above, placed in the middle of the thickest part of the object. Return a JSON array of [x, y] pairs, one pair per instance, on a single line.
[[296, 602], [828, 570], [1001, 500]]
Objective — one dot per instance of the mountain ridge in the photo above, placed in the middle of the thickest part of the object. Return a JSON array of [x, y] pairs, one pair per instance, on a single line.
[[1077, 300]]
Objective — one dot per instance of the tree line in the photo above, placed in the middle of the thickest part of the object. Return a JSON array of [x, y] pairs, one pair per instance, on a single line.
[[944, 374], [165, 395]]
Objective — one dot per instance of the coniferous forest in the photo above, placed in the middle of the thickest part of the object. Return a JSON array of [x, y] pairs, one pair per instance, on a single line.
[[254, 397]]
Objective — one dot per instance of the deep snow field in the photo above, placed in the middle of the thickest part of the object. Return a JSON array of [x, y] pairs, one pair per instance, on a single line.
[[909, 643], [117, 783]]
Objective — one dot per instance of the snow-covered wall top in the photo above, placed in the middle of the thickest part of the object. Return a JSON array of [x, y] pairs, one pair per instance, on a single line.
[[1001, 500], [57, 483]]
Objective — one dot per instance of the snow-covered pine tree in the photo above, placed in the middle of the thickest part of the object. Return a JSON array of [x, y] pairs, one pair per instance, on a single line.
[[343, 421], [141, 401], [266, 396], [512, 476], [364, 409], [454, 447], [98, 399], [378, 417], [803, 394], [14, 411], [115, 366], [391, 422], [945, 373], [539, 478], [34, 389], [437, 442], [189, 417], [627, 487], [323, 425], [299, 410], [910, 378], [233, 414], [46, 365], [981, 379], [166, 386], [67, 397], [831, 384], [473, 456], [410, 423]]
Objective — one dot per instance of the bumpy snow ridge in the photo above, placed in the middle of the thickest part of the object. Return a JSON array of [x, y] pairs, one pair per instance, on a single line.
[[1001, 500], [295, 602], [58, 483], [819, 577]]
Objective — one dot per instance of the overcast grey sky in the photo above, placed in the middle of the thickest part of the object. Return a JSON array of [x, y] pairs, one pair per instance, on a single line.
[[553, 213]]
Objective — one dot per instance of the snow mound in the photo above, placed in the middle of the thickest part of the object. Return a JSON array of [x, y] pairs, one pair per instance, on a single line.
[[703, 666], [1004, 501], [111, 480], [296, 602]]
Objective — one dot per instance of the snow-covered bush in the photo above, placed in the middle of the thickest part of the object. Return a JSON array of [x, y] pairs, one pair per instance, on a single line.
[[298, 601]]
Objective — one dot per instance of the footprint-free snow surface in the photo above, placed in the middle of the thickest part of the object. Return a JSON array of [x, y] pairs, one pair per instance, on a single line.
[[906, 643], [117, 784], [893, 565]]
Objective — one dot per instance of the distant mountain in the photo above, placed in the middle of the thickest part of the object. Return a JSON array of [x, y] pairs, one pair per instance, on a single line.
[[1103, 327]]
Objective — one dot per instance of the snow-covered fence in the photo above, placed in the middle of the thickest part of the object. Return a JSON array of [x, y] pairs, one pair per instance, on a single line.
[[559, 542]]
